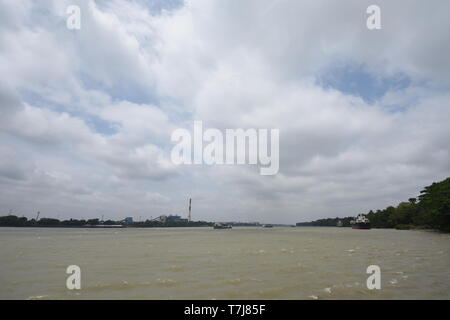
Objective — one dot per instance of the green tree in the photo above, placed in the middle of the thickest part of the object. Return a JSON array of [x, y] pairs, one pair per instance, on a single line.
[[48, 222], [403, 214], [93, 222], [434, 203]]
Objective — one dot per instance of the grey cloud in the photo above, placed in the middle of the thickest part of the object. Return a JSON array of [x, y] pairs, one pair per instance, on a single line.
[[243, 64]]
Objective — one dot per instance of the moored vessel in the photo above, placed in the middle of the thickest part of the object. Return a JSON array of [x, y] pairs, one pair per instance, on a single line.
[[220, 225], [361, 222]]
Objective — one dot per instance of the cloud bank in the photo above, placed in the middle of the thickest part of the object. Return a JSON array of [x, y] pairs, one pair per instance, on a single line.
[[86, 115]]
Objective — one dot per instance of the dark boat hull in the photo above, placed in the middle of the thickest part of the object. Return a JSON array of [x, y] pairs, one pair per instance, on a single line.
[[361, 226], [222, 227]]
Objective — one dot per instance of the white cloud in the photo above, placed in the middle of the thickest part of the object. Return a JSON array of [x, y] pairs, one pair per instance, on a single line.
[[231, 64]]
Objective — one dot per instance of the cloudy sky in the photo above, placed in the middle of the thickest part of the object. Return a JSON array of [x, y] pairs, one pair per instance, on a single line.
[[86, 115]]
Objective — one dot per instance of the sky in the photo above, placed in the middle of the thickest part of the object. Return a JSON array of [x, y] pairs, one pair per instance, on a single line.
[[86, 115]]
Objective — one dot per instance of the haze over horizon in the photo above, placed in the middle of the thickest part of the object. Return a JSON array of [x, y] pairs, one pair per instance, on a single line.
[[86, 115]]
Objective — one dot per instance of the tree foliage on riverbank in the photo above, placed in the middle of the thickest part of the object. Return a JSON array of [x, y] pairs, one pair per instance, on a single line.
[[430, 210], [14, 221]]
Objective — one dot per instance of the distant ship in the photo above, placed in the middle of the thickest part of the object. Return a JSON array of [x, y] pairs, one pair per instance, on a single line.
[[267, 226], [339, 224], [219, 225], [361, 222]]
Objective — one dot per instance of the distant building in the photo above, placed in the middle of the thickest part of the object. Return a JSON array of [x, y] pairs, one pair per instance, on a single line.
[[161, 218], [170, 218], [175, 219], [128, 220]]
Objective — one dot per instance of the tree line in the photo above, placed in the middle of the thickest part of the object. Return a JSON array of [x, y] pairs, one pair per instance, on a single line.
[[14, 221], [430, 210]]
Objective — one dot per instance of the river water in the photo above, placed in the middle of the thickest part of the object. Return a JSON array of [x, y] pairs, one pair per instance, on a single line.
[[241, 263]]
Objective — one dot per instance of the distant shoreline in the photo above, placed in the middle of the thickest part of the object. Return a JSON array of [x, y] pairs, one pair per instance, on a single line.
[[16, 222], [205, 226], [430, 210]]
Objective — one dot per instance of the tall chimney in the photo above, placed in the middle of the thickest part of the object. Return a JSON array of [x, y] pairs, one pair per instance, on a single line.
[[190, 201]]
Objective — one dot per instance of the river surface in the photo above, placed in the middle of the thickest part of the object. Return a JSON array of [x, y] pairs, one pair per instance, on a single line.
[[241, 263]]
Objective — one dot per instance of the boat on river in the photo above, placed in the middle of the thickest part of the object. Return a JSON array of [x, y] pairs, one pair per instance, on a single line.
[[220, 225], [361, 222]]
